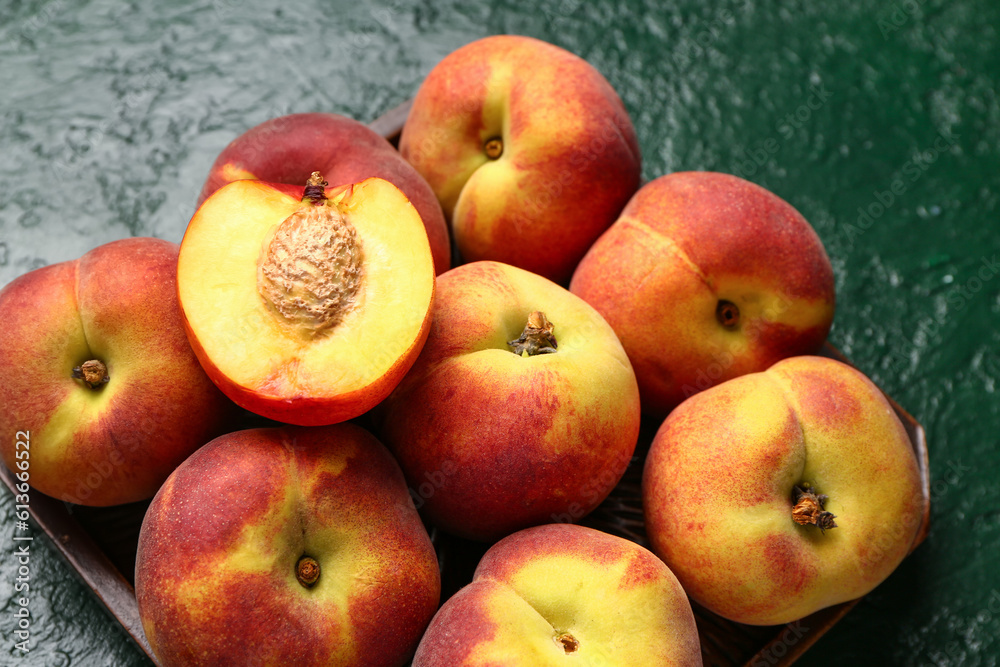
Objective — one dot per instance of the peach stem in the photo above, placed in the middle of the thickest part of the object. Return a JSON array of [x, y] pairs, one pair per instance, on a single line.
[[569, 643], [307, 571], [728, 314], [537, 337], [494, 148], [94, 373], [809, 509], [315, 192]]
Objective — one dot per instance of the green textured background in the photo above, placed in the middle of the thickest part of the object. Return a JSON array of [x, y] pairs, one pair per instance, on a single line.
[[827, 104]]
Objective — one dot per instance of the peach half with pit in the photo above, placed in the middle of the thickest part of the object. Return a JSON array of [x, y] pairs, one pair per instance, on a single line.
[[306, 305]]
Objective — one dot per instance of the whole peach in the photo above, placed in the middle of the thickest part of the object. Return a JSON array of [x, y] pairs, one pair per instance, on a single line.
[[528, 148], [286, 546], [705, 277], [105, 384], [561, 594], [779, 493], [510, 430]]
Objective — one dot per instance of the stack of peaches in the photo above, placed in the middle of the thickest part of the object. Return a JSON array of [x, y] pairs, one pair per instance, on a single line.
[[497, 401]]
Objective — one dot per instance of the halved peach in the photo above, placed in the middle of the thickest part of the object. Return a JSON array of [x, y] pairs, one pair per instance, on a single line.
[[306, 305]]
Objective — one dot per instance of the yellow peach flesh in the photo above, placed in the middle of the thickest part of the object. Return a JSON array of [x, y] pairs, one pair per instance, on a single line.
[[258, 350]]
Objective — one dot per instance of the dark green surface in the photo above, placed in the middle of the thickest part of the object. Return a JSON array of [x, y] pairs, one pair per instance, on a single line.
[[128, 104]]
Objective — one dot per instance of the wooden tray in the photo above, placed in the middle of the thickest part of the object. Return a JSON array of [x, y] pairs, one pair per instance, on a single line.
[[100, 543]]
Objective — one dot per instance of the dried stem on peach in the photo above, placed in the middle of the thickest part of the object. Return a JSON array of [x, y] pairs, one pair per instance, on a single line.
[[569, 643], [537, 337], [493, 148], [315, 192], [93, 373], [808, 509], [307, 571], [728, 314]]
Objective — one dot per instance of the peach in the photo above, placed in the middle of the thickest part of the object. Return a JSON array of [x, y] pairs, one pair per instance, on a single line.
[[306, 305], [706, 277], [528, 148], [779, 493], [286, 546], [102, 380], [521, 409], [562, 594]]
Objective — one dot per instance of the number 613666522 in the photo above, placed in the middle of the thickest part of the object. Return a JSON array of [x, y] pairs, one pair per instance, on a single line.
[[22, 454]]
